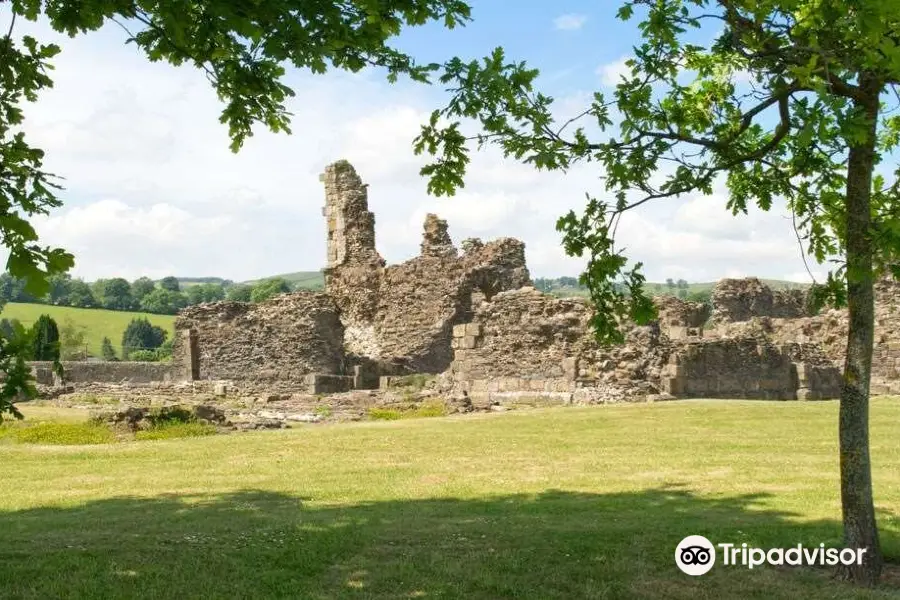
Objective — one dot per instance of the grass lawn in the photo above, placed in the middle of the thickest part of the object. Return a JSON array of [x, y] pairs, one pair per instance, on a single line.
[[553, 503], [96, 322]]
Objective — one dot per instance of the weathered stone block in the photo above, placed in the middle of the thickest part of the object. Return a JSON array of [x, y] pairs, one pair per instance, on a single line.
[[806, 394], [473, 329], [536, 385], [570, 366]]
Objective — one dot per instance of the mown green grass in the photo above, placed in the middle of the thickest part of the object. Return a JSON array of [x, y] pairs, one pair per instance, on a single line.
[[551, 503], [97, 323]]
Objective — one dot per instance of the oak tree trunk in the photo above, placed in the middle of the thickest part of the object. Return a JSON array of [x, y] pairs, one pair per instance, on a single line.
[[857, 505]]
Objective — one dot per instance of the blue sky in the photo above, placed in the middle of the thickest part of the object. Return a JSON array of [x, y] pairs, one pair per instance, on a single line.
[[153, 190]]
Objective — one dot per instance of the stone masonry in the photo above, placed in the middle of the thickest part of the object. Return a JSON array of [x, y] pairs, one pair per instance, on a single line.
[[742, 299], [399, 319], [527, 343], [470, 315], [285, 339], [353, 264], [746, 367], [828, 330]]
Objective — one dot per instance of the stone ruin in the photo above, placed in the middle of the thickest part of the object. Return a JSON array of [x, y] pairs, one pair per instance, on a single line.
[[399, 319], [470, 318]]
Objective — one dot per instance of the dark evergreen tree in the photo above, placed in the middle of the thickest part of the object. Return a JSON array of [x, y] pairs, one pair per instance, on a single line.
[[8, 328], [141, 335], [107, 350], [45, 339]]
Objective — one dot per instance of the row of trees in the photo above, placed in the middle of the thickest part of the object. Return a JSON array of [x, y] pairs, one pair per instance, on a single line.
[[165, 297]]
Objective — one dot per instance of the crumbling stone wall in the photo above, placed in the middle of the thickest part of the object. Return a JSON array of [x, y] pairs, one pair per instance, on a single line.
[[742, 299], [828, 330], [400, 318], [525, 343], [749, 368], [679, 318], [472, 312], [522, 334], [422, 299], [282, 340]]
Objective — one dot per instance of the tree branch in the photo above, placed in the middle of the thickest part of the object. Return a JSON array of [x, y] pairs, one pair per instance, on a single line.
[[12, 24]]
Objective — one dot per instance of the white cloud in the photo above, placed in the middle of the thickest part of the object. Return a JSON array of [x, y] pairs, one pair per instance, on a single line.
[[611, 74], [569, 21], [153, 189]]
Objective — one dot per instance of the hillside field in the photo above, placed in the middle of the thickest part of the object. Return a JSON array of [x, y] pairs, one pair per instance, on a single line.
[[302, 280], [558, 503], [97, 323]]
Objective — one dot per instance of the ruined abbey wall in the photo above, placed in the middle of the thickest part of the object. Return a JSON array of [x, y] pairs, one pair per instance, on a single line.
[[400, 318], [828, 330], [747, 367], [527, 343], [471, 315], [282, 340], [103, 372], [353, 265], [737, 300], [520, 341]]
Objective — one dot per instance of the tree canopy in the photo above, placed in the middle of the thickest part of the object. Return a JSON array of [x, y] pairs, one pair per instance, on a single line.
[[790, 101]]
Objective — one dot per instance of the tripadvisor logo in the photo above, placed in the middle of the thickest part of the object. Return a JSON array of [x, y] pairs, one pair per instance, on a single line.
[[696, 555]]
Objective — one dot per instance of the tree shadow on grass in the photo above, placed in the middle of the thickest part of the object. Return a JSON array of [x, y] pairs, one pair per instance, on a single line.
[[259, 544]]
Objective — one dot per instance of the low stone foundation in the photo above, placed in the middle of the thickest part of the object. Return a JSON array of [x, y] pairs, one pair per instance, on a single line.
[[104, 372]]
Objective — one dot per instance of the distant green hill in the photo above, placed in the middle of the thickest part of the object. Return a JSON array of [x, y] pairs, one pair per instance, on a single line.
[[96, 322], [189, 281], [302, 280]]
